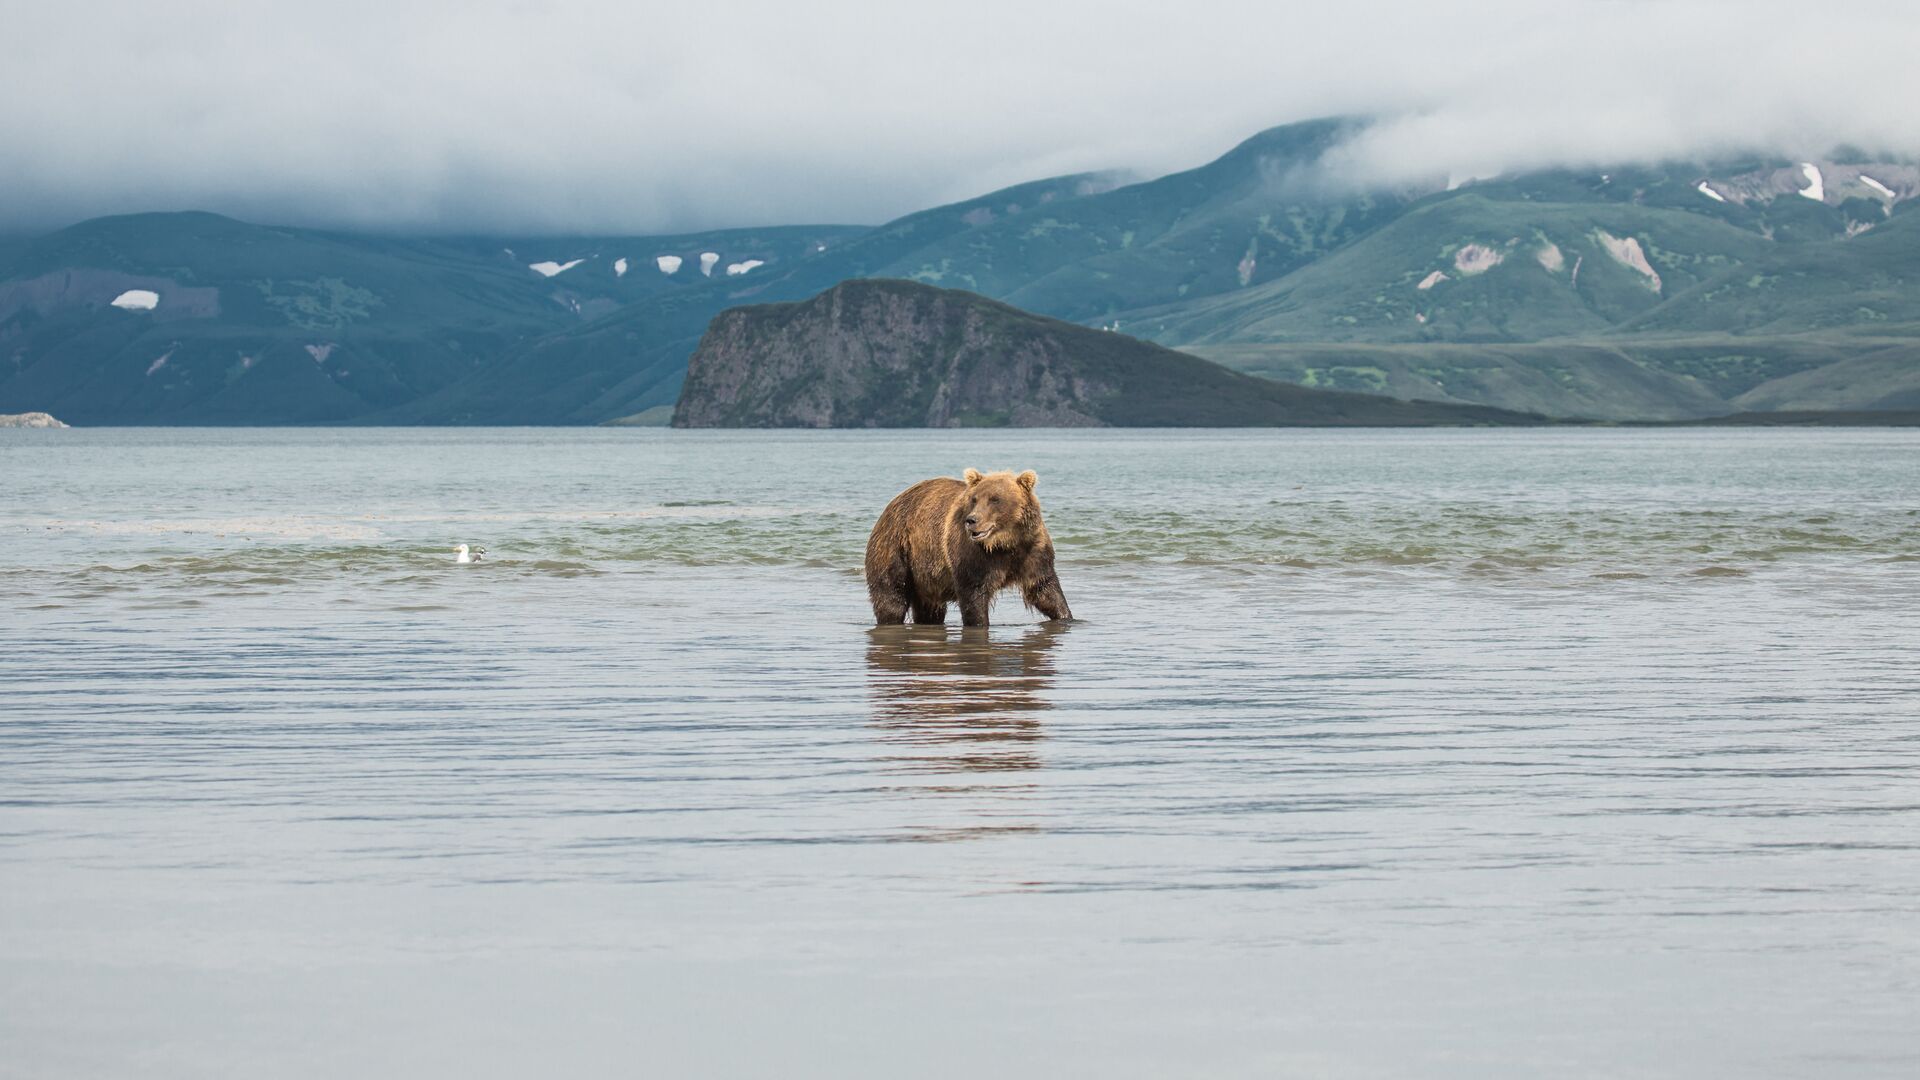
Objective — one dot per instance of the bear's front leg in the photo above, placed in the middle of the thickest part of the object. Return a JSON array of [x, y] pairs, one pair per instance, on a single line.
[[1046, 597], [974, 602]]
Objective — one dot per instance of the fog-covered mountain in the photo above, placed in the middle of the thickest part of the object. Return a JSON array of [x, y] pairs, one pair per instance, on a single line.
[[1682, 289]]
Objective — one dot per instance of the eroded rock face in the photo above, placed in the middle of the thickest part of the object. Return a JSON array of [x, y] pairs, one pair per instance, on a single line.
[[1476, 259], [879, 353], [29, 420], [882, 354], [1627, 252]]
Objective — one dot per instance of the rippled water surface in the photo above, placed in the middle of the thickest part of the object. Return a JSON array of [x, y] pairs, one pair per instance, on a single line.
[[1455, 753]]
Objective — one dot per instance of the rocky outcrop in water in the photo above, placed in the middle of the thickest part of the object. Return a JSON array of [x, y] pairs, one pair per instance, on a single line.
[[31, 419], [881, 353]]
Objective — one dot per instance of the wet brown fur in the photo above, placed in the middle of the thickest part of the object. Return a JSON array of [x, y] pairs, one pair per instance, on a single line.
[[923, 554]]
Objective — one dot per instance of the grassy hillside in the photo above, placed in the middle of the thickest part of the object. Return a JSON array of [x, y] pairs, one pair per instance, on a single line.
[[1867, 284], [1628, 378], [1465, 268], [1075, 247], [1599, 309], [1250, 216], [256, 324], [251, 324], [1665, 290], [1611, 274], [634, 359]]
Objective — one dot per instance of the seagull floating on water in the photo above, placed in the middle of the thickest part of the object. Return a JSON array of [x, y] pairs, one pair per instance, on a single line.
[[462, 554]]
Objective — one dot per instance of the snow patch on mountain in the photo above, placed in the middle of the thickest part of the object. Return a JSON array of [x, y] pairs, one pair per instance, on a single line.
[[1627, 252], [668, 264], [1761, 186], [1551, 258], [736, 269], [1877, 186], [1431, 280], [320, 352], [707, 261], [550, 268], [137, 300], [159, 363], [1816, 188], [620, 267], [1705, 189]]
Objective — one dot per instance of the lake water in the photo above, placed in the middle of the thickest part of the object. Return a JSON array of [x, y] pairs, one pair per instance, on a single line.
[[1376, 754]]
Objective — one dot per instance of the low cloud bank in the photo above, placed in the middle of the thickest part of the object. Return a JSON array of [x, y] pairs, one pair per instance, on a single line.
[[546, 117]]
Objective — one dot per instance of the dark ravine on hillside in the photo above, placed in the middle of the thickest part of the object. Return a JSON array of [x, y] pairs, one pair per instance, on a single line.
[[888, 353]]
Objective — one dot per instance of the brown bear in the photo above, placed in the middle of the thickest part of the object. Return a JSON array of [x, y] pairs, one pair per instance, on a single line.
[[946, 540]]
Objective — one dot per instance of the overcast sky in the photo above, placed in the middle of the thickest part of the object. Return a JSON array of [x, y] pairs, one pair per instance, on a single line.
[[643, 117]]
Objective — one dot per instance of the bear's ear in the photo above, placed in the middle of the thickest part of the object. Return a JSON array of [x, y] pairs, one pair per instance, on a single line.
[[972, 476], [1028, 479]]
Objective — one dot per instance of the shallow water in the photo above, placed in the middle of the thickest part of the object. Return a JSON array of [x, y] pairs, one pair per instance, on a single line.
[[1456, 753]]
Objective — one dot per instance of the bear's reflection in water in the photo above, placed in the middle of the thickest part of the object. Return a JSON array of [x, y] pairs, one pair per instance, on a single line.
[[959, 698]]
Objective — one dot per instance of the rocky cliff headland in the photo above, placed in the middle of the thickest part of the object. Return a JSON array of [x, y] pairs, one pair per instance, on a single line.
[[886, 353]]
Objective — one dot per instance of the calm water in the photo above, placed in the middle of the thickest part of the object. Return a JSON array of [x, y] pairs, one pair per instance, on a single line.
[[1456, 754]]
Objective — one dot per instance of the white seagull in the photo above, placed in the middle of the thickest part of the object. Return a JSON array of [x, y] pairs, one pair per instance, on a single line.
[[462, 554]]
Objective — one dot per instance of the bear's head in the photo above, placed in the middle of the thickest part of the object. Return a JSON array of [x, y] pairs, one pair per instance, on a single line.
[[999, 510]]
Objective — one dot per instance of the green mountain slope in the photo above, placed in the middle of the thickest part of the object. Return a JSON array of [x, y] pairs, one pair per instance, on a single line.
[[633, 359], [1670, 290], [1250, 216], [881, 353], [1597, 309], [1074, 247], [1869, 284], [248, 323], [1463, 267], [255, 324], [1251, 250]]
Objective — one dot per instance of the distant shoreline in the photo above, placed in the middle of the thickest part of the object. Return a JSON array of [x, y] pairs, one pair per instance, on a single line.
[[1799, 418], [30, 420], [1795, 418]]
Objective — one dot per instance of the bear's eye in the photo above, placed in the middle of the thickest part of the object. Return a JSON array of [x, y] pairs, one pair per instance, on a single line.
[[995, 500]]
